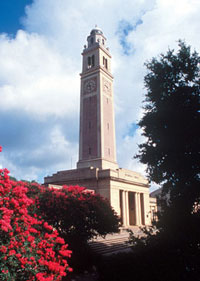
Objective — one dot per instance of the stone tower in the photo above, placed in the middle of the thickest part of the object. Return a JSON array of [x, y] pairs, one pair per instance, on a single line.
[[97, 127]]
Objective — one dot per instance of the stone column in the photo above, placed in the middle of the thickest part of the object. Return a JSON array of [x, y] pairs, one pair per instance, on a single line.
[[127, 208], [139, 209], [136, 208], [147, 217], [124, 208]]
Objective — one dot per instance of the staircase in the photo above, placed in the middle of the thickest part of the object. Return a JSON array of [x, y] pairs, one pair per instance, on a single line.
[[113, 243]]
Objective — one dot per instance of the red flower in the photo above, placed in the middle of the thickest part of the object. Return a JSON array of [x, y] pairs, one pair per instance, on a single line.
[[3, 249], [12, 252], [48, 227], [60, 240], [31, 241], [0, 148]]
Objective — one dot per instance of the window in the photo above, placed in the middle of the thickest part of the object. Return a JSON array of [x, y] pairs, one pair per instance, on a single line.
[[92, 40], [89, 125], [90, 150], [103, 41], [108, 151], [108, 126], [89, 62], [105, 62]]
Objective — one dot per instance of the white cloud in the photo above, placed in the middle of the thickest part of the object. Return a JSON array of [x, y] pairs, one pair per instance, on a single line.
[[127, 152], [57, 153], [164, 25], [36, 79]]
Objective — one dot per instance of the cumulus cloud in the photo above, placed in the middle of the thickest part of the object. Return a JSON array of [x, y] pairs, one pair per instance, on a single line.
[[35, 79], [55, 153], [39, 75]]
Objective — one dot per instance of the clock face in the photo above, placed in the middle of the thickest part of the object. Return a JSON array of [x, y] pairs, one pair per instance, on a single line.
[[106, 86], [89, 86]]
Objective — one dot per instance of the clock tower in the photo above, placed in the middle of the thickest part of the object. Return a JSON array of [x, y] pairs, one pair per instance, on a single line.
[[97, 168], [97, 127]]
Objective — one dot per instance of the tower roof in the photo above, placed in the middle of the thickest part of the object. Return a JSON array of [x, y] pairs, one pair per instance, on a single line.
[[96, 30], [96, 38]]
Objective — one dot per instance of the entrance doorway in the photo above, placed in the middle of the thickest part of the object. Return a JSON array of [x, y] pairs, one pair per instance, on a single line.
[[142, 207], [132, 208]]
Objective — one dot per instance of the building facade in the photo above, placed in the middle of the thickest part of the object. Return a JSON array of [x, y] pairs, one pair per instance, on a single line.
[[97, 168]]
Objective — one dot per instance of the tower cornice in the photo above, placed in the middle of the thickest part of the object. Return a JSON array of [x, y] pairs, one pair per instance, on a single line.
[[95, 70], [95, 47]]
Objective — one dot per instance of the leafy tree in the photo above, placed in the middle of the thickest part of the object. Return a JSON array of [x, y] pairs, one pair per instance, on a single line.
[[171, 125], [171, 152]]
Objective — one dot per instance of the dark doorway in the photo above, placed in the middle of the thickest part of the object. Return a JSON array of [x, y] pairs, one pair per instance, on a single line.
[[132, 209], [142, 207]]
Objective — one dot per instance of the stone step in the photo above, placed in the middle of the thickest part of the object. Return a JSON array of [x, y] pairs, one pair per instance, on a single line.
[[105, 249], [111, 243]]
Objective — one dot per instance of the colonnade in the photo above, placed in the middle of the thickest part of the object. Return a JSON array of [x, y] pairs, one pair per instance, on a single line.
[[132, 208]]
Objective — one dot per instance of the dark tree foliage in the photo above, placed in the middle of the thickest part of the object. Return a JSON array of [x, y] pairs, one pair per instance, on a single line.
[[171, 152], [171, 124]]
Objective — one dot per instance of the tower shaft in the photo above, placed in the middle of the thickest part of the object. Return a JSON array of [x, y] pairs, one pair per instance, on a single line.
[[97, 127]]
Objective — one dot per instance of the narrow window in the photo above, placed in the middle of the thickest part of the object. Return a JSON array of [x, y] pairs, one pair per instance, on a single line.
[[89, 125], [106, 63], [107, 100], [103, 41], [92, 40], [89, 61], [108, 151], [108, 126], [90, 150]]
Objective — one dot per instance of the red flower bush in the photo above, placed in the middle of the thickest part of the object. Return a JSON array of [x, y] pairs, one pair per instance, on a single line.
[[77, 213], [30, 249]]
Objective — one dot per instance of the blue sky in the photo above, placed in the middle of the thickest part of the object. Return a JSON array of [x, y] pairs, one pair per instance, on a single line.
[[11, 12], [40, 62]]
